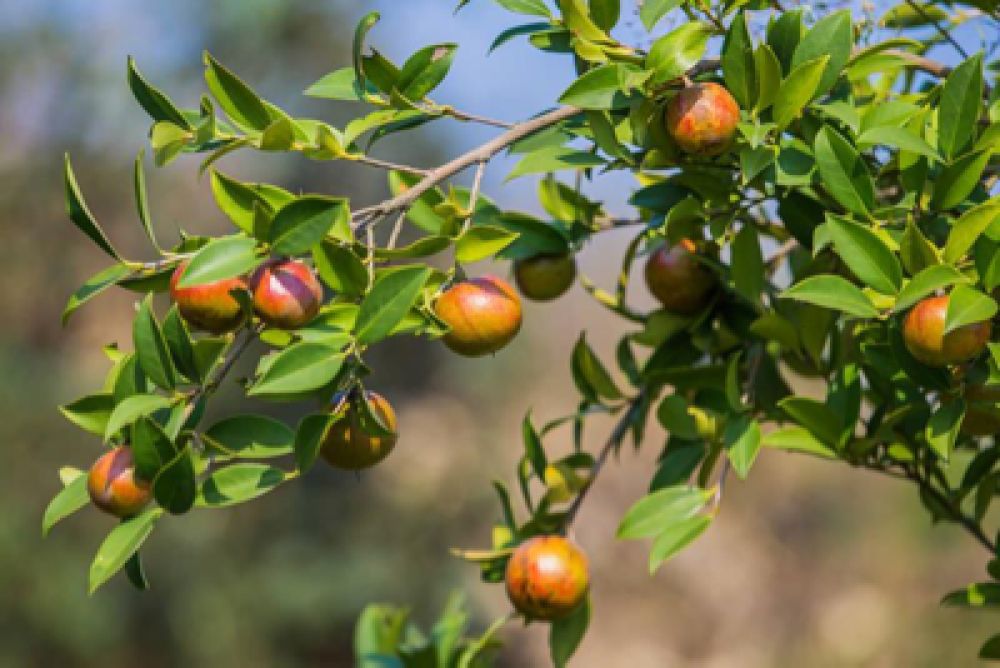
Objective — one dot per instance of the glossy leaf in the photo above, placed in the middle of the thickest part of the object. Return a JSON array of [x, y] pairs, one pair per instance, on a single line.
[[120, 545], [390, 299], [832, 292], [71, 498], [249, 437], [845, 175], [151, 347], [865, 254], [961, 104], [238, 483], [303, 223]]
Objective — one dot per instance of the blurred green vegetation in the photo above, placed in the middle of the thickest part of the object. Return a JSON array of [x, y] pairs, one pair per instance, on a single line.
[[809, 564]]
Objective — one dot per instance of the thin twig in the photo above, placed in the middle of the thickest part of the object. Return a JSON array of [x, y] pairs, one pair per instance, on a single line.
[[482, 153], [475, 118], [392, 166], [937, 26], [396, 229], [477, 184], [612, 444]]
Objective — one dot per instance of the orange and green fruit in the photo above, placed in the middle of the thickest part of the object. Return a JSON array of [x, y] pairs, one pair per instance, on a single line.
[[483, 315], [209, 306], [286, 293], [547, 577], [349, 445], [113, 485], [678, 280], [702, 119], [923, 334]]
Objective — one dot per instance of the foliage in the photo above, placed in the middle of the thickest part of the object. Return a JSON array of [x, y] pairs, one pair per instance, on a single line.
[[861, 180]]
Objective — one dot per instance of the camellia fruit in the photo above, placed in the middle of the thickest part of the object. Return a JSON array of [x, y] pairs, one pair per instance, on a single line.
[[702, 119], [545, 277], [923, 334], [348, 445], [547, 577], [982, 416], [209, 306], [678, 280], [113, 485], [483, 315], [286, 293]]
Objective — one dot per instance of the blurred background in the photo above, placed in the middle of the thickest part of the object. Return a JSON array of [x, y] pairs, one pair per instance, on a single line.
[[809, 564]]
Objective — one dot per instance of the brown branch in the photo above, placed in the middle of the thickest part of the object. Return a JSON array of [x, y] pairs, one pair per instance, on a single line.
[[385, 164], [482, 153], [612, 444]]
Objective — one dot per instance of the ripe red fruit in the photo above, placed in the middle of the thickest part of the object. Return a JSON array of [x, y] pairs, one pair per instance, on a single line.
[[545, 277], [678, 280], [923, 334], [547, 577], [113, 485], [484, 314], [982, 417], [209, 306], [349, 446], [286, 293], [702, 119]]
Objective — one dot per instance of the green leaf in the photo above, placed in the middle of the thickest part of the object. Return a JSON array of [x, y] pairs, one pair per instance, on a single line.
[[927, 281], [391, 298], [249, 437], [180, 344], [238, 483], [80, 214], [968, 227], [306, 221], [278, 136], [152, 100], [675, 53], [832, 292], [976, 595], [123, 541], [70, 499], [784, 35], [309, 437], [142, 200], [533, 450], [966, 306], [152, 449], [365, 25], [566, 633], [675, 538], [302, 367], [742, 440], [815, 416], [341, 269], [340, 84], [590, 374], [605, 13], [238, 100], [738, 67], [651, 11], [219, 259], [132, 408], [832, 36], [768, 73], [90, 413], [175, 486], [845, 175], [529, 7], [656, 512], [897, 137], [425, 70], [960, 107], [991, 648], [747, 264], [797, 439], [554, 159], [865, 254], [480, 242], [958, 180], [599, 88], [423, 247], [94, 285], [673, 415], [151, 347], [943, 428], [238, 200]]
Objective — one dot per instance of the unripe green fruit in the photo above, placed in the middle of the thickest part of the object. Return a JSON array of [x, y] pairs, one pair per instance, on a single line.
[[547, 577], [113, 485], [923, 334], [483, 315], [286, 293], [702, 119], [210, 306], [678, 280], [348, 446], [545, 277]]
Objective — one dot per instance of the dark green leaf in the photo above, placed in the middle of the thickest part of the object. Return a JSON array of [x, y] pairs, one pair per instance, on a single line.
[[151, 347], [249, 437], [845, 175], [566, 634], [78, 212], [238, 483], [865, 254], [961, 104], [303, 223], [390, 299]]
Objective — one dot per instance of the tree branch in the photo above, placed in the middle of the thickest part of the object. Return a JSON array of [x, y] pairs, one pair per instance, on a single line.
[[612, 444], [482, 153]]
